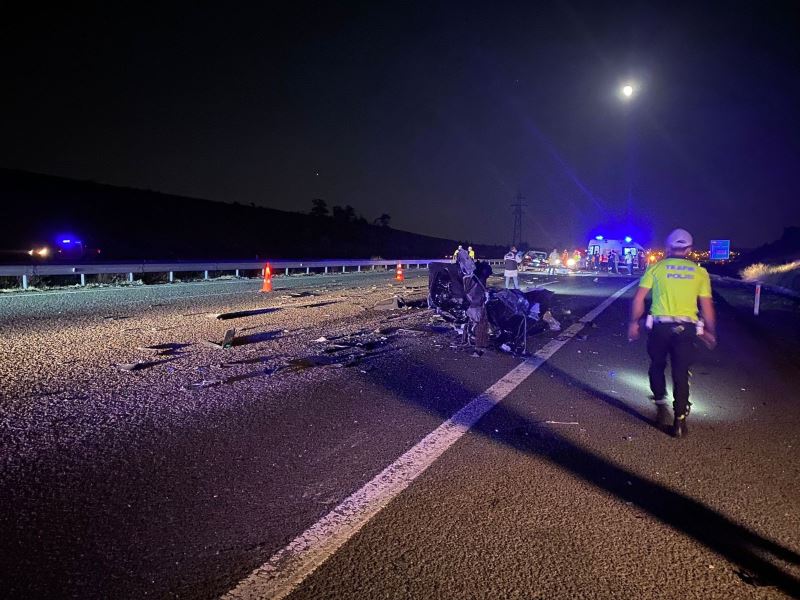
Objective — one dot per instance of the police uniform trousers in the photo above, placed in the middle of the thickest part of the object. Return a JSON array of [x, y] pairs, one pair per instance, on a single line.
[[675, 340]]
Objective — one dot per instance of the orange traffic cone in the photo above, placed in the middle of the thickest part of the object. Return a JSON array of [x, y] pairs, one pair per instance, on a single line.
[[399, 274], [267, 285]]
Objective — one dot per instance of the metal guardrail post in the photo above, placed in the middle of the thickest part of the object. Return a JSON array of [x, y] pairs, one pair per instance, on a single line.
[[205, 274], [24, 282], [326, 270], [757, 300], [344, 269], [130, 277], [237, 273], [308, 270], [83, 278], [172, 276], [286, 272]]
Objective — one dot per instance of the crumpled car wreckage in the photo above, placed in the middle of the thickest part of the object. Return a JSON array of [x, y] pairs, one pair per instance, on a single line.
[[458, 292]]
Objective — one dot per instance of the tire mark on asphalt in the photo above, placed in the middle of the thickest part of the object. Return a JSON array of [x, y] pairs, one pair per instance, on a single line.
[[287, 568]]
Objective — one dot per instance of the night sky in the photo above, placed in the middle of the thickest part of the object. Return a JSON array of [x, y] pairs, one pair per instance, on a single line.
[[438, 114]]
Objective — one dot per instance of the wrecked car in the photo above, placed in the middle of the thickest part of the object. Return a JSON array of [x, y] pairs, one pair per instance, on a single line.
[[459, 292]]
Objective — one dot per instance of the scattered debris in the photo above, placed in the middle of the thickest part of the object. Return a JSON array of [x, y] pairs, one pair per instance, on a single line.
[[205, 383], [562, 422], [141, 365], [750, 578], [132, 366], [548, 318], [318, 304], [337, 348], [226, 342], [250, 375], [168, 349], [393, 303], [254, 338], [244, 313]]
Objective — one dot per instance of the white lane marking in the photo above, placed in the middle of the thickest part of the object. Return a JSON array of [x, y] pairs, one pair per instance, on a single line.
[[290, 566]]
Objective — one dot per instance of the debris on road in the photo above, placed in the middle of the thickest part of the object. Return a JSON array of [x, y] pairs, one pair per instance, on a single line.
[[562, 422], [749, 578], [205, 383], [227, 341], [168, 349], [141, 365], [393, 303], [243, 313]]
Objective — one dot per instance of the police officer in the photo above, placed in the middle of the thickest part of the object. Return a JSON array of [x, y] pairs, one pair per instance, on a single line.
[[678, 285]]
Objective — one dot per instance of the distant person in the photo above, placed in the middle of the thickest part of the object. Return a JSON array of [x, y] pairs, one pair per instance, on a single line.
[[511, 267], [552, 262], [636, 264], [604, 262], [471, 252], [614, 260], [678, 285], [629, 263], [596, 261], [455, 254]]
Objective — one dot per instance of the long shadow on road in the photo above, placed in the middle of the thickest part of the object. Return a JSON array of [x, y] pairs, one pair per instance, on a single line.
[[709, 527]]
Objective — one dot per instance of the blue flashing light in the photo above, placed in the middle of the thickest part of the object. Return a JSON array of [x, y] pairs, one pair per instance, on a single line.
[[66, 241], [628, 239], [598, 237]]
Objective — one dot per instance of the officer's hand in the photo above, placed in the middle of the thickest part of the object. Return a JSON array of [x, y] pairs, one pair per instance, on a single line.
[[633, 331], [708, 339]]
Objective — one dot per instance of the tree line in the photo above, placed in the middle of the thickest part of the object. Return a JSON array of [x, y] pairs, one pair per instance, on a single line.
[[344, 214]]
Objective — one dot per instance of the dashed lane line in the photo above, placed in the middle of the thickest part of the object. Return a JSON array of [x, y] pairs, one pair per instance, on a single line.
[[287, 568]]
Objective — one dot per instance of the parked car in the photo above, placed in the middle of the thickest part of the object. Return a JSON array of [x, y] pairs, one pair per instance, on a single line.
[[534, 260]]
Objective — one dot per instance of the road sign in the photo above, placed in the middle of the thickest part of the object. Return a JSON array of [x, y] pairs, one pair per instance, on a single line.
[[720, 249]]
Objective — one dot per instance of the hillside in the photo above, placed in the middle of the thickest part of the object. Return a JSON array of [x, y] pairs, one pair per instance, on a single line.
[[138, 224]]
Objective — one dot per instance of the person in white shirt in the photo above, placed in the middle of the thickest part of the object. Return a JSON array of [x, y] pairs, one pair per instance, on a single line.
[[511, 267]]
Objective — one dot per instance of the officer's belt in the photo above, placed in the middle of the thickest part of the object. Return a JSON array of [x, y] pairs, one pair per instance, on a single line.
[[665, 319]]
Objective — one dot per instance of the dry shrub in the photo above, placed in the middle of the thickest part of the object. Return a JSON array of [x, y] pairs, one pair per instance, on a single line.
[[760, 271]]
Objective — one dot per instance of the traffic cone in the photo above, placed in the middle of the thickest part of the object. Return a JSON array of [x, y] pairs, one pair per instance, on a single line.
[[267, 285], [399, 275]]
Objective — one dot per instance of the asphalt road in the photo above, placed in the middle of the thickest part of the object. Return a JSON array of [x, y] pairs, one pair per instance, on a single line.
[[128, 471]]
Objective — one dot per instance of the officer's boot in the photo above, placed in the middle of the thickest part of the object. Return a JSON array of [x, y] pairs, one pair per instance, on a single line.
[[679, 427], [662, 416]]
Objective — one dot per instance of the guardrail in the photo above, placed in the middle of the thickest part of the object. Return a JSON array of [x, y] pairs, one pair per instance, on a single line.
[[757, 287], [25, 272]]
